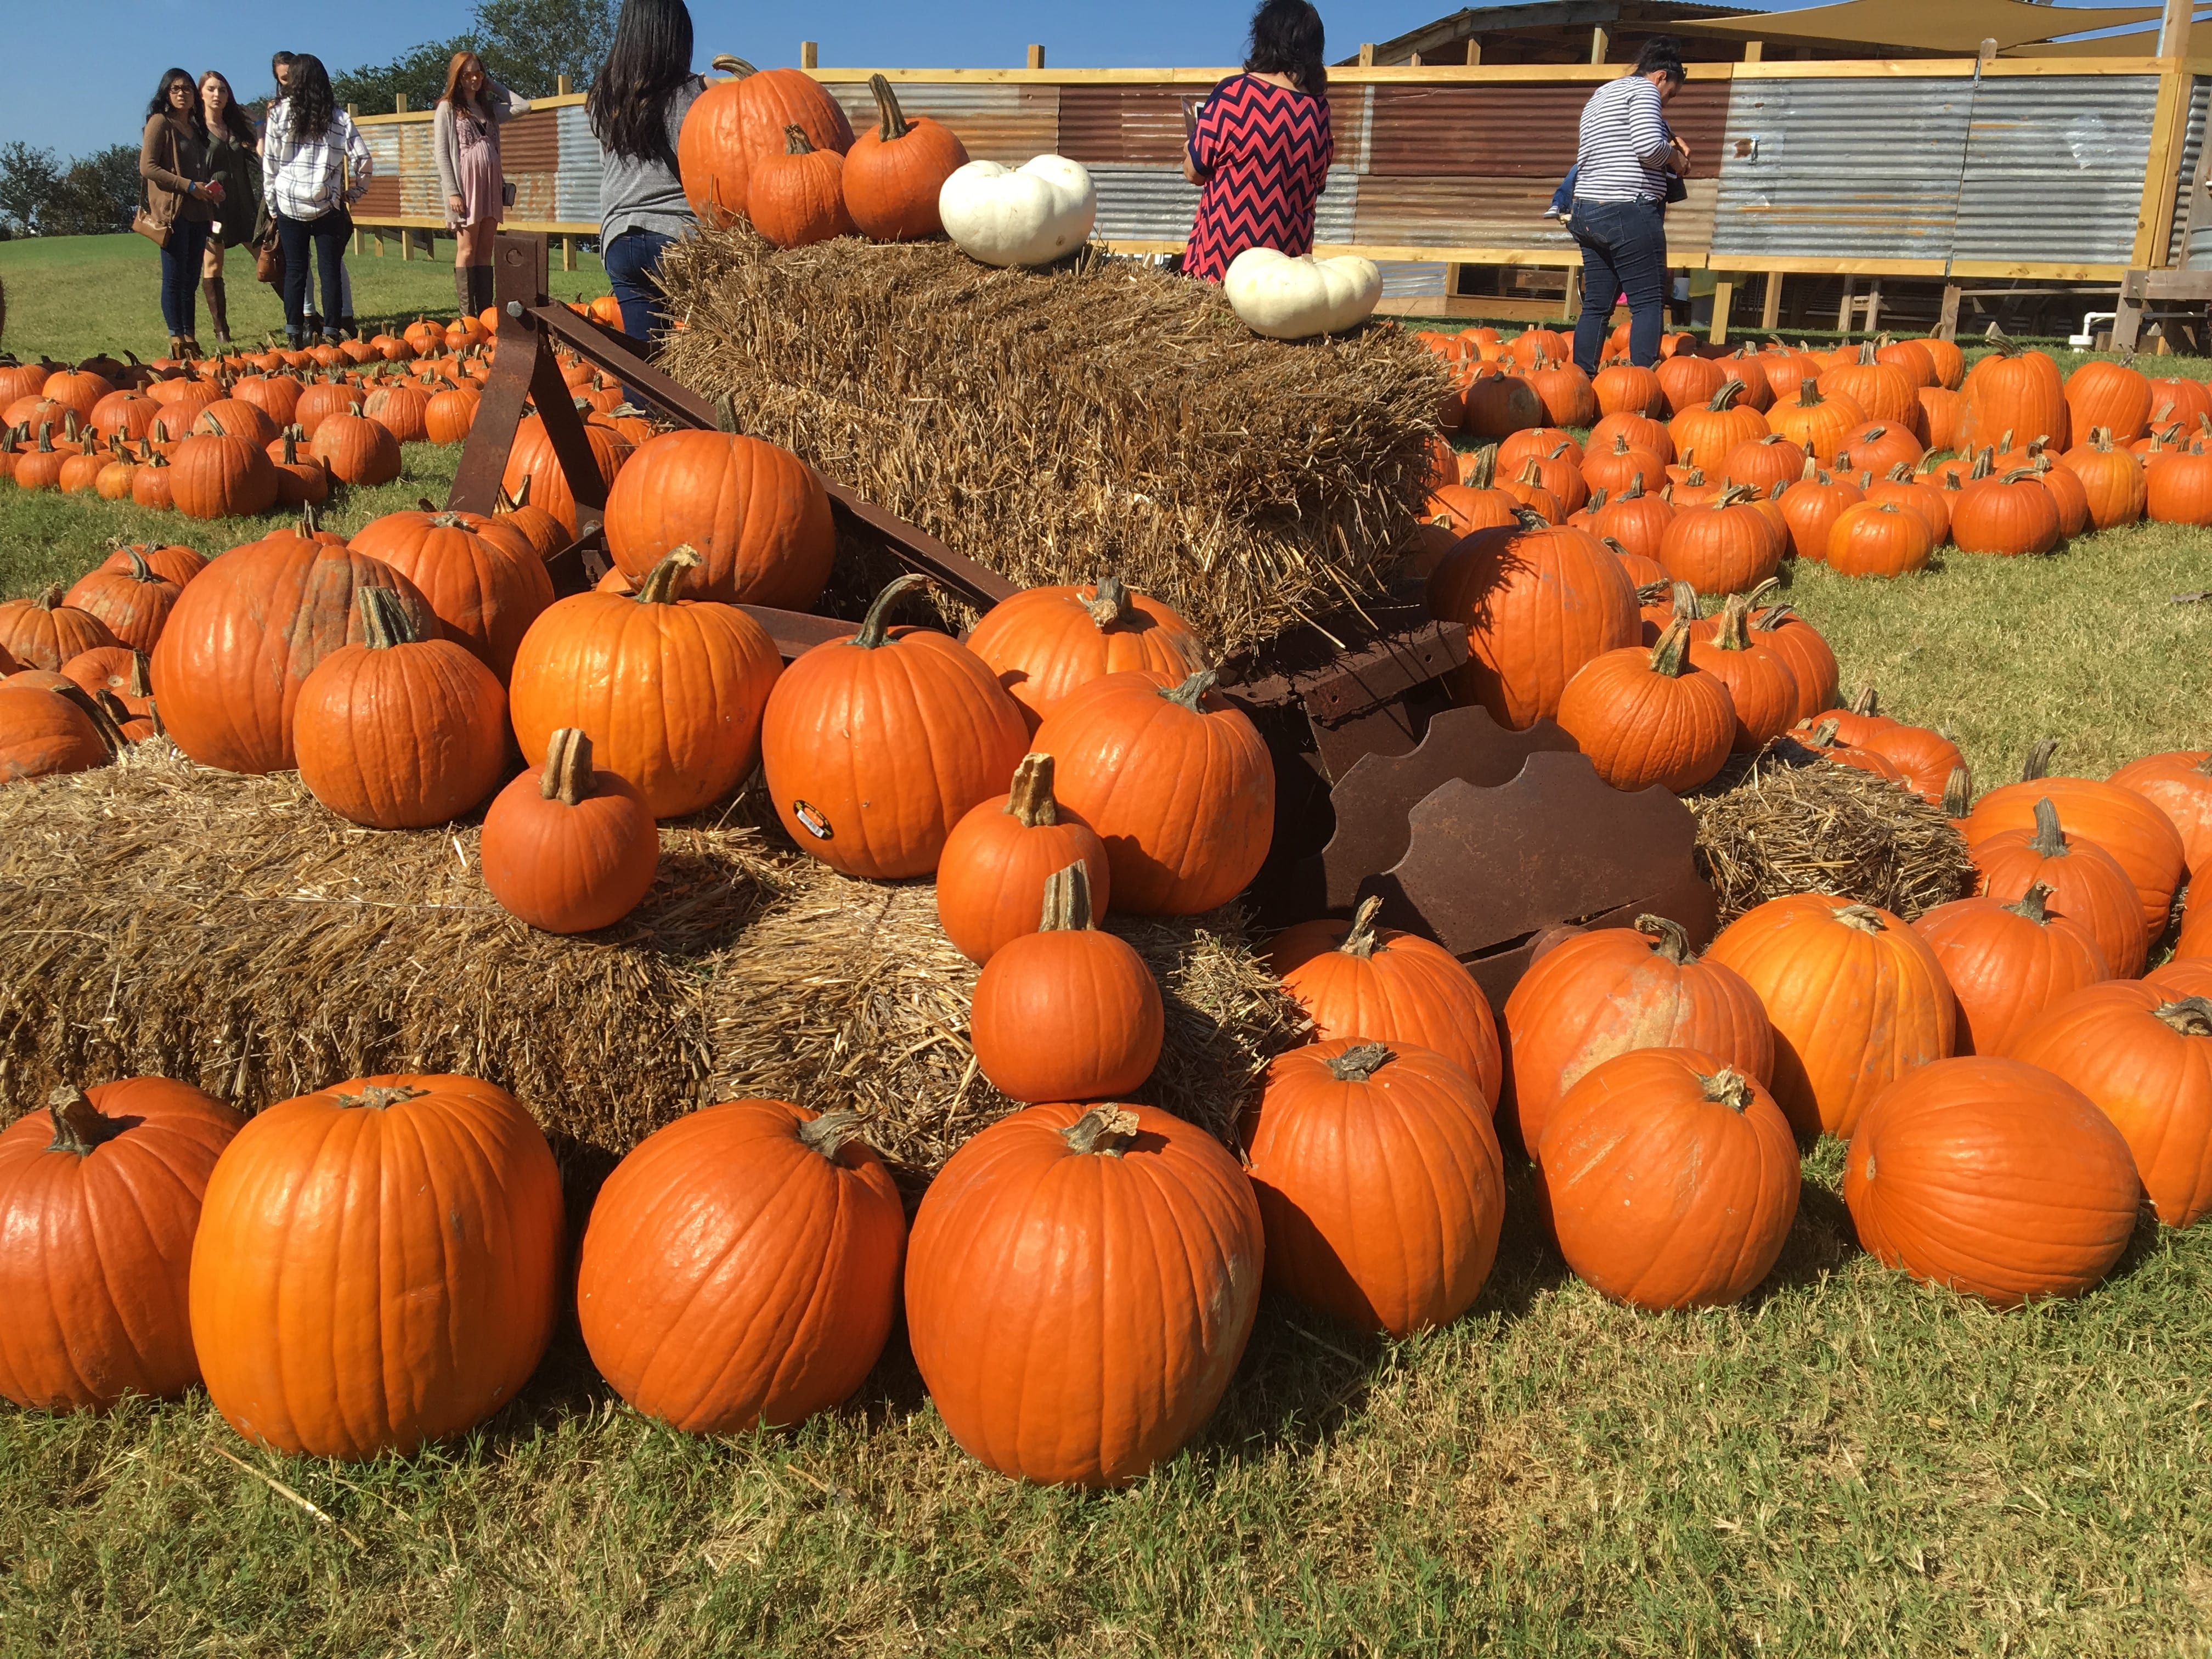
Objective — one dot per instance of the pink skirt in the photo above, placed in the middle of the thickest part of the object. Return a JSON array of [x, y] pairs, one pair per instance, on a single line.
[[480, 182]]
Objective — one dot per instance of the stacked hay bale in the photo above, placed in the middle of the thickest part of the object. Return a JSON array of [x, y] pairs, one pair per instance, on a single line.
[[1055, 424]]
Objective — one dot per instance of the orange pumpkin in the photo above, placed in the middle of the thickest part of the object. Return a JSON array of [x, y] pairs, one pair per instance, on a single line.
[[796, 196], [672, 692], [2013, 391], [1649, 717], [1177, 783], [2179, 784], [2008, 963], [534, 473], [48, 730], [573, 848], [485, 590], [1714, 431], [1065, 1012], [101, 1192], [1088, 1360], [309, 1341], [894, 171], [736, 124], [1993, 1177], [756, 515], [46, 631], [357, 449], [1612, 989], [1670, 1178], [742, 1268], [2111, 480], [1380, 984], [1854, 997], [1380, 1183], [1807, 652], [2088, 882], [991, 876], [2134, 832], [1816, 420], [1761, 685], [1634, 521]]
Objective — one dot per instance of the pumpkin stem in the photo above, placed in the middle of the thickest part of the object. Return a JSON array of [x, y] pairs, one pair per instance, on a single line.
[[2031, 905], [1105, 1130], [1731, 389], [1189, 693], [382, 1097], [1864, 917], [2049, 841], [2204, 766], [1597, 499], [80, 1126], [1357, 1065], [1869, 702], [1824, 734], [1482, 470], [1671, 656], [1361, 941], [1030, 800], [725, 417], [1958, 792], [828, 1134], [141, 685], [2038, 763], [736, 66], [2191, 1016], [1809, 395], [1109, 603], [1734, 633], [1530, 519], [213, 425], [1730, 1088], [662, 582], [383, 619], [876, 626], [49, 596], [1635, 490], [1673, 940], [795, 142], [103, 722], [1067, 900], [893, 120], [567, 775]]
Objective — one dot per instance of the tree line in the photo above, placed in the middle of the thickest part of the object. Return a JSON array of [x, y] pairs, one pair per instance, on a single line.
[[527, 45]]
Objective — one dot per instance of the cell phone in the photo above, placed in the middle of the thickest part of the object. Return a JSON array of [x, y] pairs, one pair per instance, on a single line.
[[1189, 118]]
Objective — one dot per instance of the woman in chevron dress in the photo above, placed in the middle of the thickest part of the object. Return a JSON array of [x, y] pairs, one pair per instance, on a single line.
[[1260, 149]]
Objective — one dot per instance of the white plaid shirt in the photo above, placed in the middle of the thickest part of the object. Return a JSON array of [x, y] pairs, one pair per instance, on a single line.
[[303, 179]]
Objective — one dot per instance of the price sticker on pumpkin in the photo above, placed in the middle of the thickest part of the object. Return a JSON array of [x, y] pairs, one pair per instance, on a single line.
[[812, 821]]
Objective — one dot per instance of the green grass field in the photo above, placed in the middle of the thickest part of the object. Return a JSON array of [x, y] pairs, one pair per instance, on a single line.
[[1847, 1463]]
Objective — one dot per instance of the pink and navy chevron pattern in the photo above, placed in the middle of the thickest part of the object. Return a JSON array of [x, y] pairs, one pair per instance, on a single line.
[[1266, 152]]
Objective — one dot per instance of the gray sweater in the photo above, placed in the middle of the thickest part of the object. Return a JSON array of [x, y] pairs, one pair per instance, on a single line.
[[645, 195], [505, 106]]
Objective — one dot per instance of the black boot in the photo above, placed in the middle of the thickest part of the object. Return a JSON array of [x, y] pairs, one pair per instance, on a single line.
[[464, 289], [218, 310], [486, 288]]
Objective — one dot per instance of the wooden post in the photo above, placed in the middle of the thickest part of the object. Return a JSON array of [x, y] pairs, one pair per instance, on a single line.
[[1770, 304], [1844, 310], [1754, 52], [1724, 297], [1367, 54], [1574, 294], [1036, 55], [1947, 321], [1874, 307], [1414, 62], [1474, 52], [1989, 51], [809, 55], [1599, 42], [2173, 29]]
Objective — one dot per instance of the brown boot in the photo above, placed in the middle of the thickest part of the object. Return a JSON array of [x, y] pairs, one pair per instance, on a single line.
[[176, 347], [218, 306], [464, 288]]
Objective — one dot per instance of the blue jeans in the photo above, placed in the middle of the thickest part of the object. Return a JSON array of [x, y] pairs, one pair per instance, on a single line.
[[1624, 251], [633, 263], [180, 272], [327, 236]]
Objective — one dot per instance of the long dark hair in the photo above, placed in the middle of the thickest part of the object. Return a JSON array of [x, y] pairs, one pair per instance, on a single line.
[[195, 117], [651, 58], [1662, 55], [308, 89], [234, 118], [1286, 39]]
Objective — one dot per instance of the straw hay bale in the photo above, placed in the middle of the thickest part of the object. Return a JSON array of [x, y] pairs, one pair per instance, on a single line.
[[849, 994], [1792, 822], [230, 931], [1054, 424]]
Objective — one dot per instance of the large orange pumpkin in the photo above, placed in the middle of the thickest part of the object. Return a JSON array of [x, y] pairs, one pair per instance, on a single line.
[[44, 731], [742, 1267], [403, 731], [1065, 1012], [47, 631], [1728, 545], [1816, 421], [99, 1196], [2086, 880], [1670, 1179], [2006, 962], [1993, 1177], [2145, 1059], [1177, 783], [756, 515], [2134, 831], [534, 471], [2179, 784], [1613, 989], [1079, 1287], [1539, 603], [1650, 717], [672, 692], [991, 876], [222, 475], [2017, 392], [1854, 997], [1380, 1183], [734, 124], [1043, 642], [243, 638], [1357, 980], [894, 169], [484, 589]]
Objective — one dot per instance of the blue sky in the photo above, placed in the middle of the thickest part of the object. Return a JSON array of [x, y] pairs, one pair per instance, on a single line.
[[77, 75]]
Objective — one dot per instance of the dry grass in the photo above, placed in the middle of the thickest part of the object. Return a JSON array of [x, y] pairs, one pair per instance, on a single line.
[[849, 994], [1056, 424], [1790, 821]]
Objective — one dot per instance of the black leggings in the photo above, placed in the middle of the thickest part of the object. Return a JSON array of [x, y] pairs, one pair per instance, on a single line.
[[328, 237]]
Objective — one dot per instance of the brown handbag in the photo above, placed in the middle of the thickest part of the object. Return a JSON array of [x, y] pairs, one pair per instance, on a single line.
[[269, 261], [155, 230]]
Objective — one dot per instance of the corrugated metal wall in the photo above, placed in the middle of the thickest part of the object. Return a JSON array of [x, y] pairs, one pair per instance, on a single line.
[[996, 122], [578, 192], [2054, 169], [2193, 147]]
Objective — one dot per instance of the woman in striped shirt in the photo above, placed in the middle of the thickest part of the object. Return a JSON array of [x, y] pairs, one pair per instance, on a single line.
[[1622, 166], [305, 151]]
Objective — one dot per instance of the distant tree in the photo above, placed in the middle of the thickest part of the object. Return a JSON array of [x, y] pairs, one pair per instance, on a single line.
[[97, 196], [420, 75], [28, 181], [528, 44]]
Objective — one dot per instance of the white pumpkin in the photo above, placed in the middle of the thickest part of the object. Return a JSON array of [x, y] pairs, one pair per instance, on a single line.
[[1289, 299], [1026, 215]]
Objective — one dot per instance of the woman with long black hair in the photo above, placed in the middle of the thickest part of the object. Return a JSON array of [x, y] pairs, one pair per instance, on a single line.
[[637, 109], [181, 198], [305, 151], [1260, 149], [234, 159]]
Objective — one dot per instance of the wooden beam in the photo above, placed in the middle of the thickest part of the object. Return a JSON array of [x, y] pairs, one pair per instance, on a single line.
[[1770, 303], [1474, 50], [1753, 50], [1036, 55], [1947, 321], [2174, 28], [2169, 129], [1599, 42], [1366, 54], [1723, 298], [810, 56]]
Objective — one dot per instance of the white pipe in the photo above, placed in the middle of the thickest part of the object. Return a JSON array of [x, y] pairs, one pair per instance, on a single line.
[[2087, 337]]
